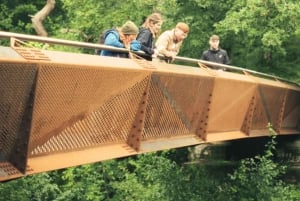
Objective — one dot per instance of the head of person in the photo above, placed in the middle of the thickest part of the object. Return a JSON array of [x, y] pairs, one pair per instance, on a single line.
[[154, 23], [214, 41], [129, 32], [181, 31]]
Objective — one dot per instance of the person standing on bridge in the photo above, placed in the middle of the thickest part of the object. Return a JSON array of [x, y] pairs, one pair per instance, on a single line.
[[124, 37], [169, 42], [148, 32], [215, 53]]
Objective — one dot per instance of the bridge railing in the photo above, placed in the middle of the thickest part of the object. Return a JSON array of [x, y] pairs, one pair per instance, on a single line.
[[9, 35]]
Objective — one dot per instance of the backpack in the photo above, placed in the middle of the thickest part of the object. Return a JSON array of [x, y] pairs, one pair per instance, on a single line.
[[101, 39]]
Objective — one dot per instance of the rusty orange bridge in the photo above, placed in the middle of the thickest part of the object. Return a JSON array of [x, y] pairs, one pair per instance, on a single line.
[[62, 109]]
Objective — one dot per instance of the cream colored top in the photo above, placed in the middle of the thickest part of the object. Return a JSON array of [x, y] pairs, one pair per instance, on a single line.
[[166, 44]]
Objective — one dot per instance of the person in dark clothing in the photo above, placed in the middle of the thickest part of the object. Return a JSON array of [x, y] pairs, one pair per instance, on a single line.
[[215, 53], [147, 34]]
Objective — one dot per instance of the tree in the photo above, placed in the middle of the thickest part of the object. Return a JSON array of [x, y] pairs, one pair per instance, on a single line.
[[258, 178], [38, 18], [39, 187], [260, 31]]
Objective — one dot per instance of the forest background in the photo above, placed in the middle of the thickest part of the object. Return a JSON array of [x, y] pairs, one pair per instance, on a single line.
[[261, 35]]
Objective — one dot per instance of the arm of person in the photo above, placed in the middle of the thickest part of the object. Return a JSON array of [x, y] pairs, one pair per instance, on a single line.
[[162, 45], [135, 45], [226, 58], [203, 56], [112, 39]]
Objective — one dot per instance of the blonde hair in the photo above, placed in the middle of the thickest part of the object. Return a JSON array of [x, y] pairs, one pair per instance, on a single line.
[[154, 18]]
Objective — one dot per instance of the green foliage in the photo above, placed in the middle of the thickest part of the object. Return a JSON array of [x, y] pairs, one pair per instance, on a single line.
[[39, 187], [151, 177], [5, 18], [258, 178], [260, 29]]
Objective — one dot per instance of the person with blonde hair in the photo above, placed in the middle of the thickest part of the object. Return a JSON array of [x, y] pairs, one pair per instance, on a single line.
[[148, 32], [169, 42], [124, 37]]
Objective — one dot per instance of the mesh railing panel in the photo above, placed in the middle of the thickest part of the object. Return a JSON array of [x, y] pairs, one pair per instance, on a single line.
[[110, 123], [16, 83]]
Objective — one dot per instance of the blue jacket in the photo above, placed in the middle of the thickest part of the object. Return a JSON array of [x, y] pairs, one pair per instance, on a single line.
[[112, 38]]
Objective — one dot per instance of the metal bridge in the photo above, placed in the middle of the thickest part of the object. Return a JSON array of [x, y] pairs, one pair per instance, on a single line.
[[62, 109]]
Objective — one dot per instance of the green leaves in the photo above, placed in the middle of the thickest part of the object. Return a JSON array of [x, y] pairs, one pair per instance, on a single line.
[[265, 25], [258, 178]]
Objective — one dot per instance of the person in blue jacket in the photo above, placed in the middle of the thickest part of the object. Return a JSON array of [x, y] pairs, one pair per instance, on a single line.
[[124, 37]]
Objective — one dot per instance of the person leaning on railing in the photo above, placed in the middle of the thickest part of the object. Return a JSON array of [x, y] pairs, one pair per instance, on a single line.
[[124, 37], [147, 34], [169, 42]]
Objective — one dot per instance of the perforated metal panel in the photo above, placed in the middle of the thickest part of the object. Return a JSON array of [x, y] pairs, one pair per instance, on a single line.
[[174, 108], [80, 107], [75, 109], [17, 82]]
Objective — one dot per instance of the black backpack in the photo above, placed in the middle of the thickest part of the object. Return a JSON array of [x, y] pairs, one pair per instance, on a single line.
[[102, 39]]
